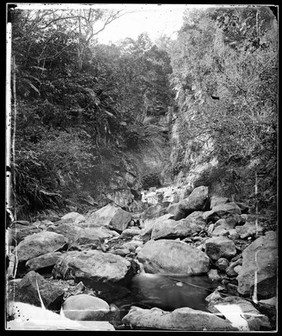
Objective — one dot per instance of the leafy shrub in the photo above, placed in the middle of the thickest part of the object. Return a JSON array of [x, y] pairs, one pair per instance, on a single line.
[[47, 172]]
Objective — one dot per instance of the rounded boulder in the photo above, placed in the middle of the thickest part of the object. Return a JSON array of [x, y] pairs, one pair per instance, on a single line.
[[85, 307]]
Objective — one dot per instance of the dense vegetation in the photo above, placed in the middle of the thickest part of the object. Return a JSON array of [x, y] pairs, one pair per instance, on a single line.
[[225, 73], [86, 110], [82, 107]]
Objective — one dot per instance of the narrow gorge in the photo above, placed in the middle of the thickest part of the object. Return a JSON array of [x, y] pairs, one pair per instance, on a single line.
[[144, 174]]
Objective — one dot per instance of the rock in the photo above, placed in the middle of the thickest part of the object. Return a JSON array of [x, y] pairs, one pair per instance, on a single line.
[[221, 210], [232, 289], [229, 222], [39, 243], [121, 251], [91, 265], [43, 261], [120, 220], [43, 224], [185, 318], [18, 232], [230, 270], [68, 230], [215, 295], [110, 216], [27, 292], [216, 200], [74, 217], [172, 209], [84, 307], [233, 234], [217, 247], [101, 232], [260, 256], [168, 256], [126, 248], [255, 320], [244, 218], [170, 228], [96, 326], [122, 197], [237, 269], [222, 264], [149, 224], [248, 229], [132, 245], [198, 200], [154, 211], [213, 275], [87, 236], [130, 232], [220, 231]]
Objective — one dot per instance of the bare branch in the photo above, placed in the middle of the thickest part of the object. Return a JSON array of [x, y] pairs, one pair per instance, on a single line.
[[109, 20]]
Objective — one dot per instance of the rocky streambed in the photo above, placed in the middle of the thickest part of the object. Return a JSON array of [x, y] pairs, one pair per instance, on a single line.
[[184, 263]]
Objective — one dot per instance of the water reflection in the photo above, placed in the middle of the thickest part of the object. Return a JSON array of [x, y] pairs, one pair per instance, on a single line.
[[169, 292]]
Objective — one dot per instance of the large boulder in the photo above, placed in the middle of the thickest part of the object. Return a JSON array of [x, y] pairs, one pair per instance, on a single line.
[[91, 265], [39, 243], [94, 236], [168, 256], [260, 256], [110, 216], [221, 211], [84, 307], [27, 291], [198, 200], [180, 319], [217, 247], [44, 261], [170, 228]]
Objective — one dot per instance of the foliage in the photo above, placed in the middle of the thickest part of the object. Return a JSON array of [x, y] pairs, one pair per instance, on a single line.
[[225, 64], [82, 106]]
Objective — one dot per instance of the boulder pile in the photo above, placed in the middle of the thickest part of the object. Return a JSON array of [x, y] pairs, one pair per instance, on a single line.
[[70, 263]]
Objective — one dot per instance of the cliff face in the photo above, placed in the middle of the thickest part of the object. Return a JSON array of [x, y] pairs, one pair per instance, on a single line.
[[142, 168], [190, 155]]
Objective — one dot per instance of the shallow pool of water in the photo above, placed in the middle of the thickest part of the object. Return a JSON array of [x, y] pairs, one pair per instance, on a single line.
[[167, 292]]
